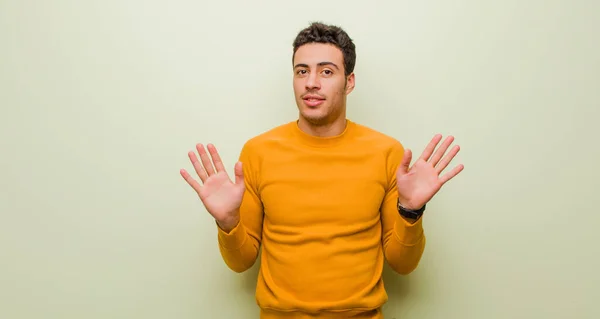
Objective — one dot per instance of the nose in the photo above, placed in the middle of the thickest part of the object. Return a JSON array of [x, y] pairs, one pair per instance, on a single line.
[[312, 82]]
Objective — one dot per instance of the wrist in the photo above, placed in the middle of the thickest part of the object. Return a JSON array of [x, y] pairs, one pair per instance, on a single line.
[[407, 204], [409, 212], [229, 223]]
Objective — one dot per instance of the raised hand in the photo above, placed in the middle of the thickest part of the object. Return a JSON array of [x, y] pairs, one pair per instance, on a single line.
[[419, 183], [220, 195]]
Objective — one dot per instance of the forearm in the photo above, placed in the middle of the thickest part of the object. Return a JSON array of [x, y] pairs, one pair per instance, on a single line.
[[238, 248], [404, 245]]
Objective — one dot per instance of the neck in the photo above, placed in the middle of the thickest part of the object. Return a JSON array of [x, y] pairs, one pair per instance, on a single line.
[[334, 128]]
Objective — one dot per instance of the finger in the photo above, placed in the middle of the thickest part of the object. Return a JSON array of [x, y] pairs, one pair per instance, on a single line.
[[441, 166], [216, 158], [430, 147], [192, 182], [405, 161], [441, 151], [208, 166], [448, 176], [239, 173], [198, 167]]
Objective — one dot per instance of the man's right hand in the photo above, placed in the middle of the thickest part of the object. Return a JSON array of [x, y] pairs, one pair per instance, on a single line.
[[221, 197]]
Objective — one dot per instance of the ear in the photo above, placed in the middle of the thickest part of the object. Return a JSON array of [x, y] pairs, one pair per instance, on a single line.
[[350, 82]]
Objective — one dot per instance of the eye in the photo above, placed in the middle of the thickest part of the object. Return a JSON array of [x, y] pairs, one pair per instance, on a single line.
[[327, 72], [301, 72]]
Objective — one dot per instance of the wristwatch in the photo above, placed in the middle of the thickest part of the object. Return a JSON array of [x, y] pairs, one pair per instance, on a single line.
[[408, 213]]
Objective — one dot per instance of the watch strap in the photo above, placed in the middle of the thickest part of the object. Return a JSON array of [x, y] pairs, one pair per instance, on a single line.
[[409, 213]]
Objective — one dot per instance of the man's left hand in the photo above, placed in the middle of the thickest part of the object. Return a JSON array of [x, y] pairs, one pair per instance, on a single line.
[[419, 183]]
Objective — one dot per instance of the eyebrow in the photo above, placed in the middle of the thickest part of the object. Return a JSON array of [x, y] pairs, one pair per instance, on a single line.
[[319, 64]]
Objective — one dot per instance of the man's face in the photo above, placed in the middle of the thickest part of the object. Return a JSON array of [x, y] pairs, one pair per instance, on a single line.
[[320, 85]]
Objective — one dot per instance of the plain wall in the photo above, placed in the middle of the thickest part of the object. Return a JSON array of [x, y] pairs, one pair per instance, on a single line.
[[101, 101]]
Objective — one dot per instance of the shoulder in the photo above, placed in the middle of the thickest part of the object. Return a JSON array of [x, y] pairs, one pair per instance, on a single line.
[[388, 148], [382, 142], [258, 144], [273, 134]]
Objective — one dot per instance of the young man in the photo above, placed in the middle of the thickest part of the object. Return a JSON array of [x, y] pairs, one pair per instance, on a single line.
[[328, 199]]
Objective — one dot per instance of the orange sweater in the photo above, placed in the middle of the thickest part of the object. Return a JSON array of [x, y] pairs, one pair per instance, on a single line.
[[324, 210]]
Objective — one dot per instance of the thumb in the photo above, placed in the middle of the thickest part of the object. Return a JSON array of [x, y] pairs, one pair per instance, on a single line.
[[239, 173], [405, 161]]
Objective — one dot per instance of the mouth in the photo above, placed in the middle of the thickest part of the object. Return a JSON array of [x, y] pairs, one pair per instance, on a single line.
[[313, 100]]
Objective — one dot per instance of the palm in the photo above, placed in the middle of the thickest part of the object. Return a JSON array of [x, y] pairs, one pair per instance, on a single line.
[[221, 197], [419, 183]]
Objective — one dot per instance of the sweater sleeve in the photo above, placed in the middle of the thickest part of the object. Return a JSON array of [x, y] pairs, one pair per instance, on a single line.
[[239, 247], [403, 241]]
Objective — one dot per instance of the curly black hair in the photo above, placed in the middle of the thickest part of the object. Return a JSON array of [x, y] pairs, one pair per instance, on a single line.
[[318, 32]]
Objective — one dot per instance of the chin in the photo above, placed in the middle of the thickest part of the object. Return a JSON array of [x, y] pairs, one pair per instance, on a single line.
[[314, 115], [314, 119]]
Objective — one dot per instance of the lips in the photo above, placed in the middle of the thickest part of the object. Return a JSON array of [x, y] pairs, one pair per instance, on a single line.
[[313, 100]]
